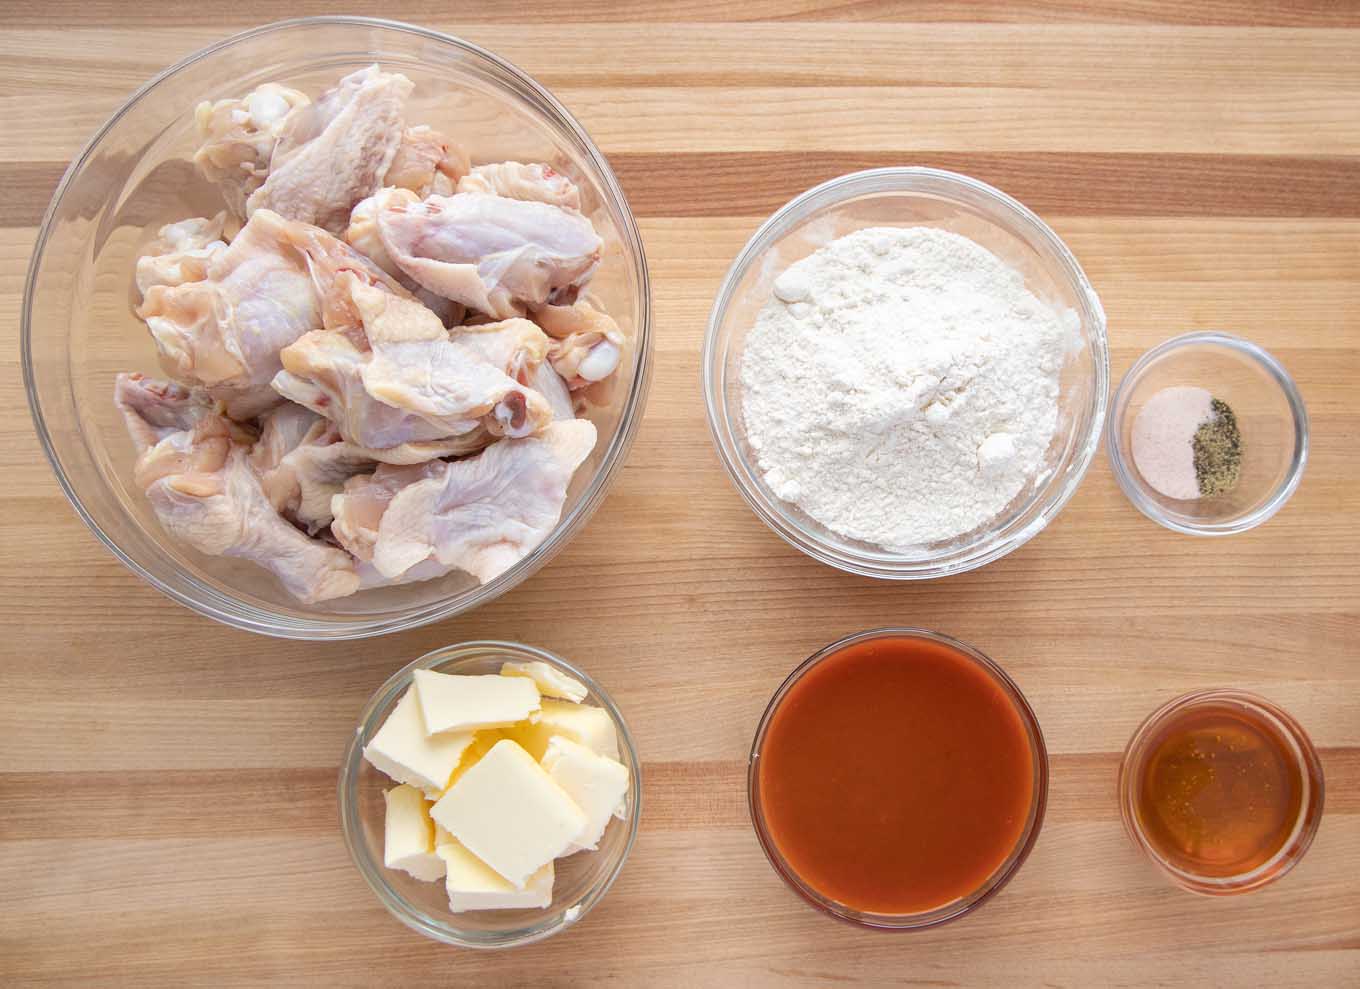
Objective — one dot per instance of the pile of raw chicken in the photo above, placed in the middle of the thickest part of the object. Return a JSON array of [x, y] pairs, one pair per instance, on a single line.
[[378, 351]]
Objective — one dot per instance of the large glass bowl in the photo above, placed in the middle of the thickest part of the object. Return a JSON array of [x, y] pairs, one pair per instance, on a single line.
[[79, 329], [911, 197], [581, 880]]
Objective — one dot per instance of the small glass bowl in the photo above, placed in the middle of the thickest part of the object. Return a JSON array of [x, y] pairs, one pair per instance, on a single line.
[[1270, 415], [581, 879], [910, 197], [1003, 872], [1310, 771]]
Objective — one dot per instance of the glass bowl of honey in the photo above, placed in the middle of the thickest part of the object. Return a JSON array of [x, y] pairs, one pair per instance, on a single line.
[[1222, 790], [898, 779]]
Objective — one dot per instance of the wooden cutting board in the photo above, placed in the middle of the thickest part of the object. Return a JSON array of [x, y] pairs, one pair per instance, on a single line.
[[167, 786]]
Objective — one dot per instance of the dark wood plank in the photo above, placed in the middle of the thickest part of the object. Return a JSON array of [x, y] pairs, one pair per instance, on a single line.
[[1102, 184], [1096, 184]]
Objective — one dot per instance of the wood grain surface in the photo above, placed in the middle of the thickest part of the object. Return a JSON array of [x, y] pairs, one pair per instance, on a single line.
[[167, 786]]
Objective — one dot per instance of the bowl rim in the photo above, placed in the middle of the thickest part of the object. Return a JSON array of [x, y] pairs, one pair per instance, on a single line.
[[836, 191], [229, 609], [1135, 491], [348, 782], [1003, 873]]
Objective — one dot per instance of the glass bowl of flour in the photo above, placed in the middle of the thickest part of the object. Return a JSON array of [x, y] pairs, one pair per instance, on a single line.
[[906, 373]]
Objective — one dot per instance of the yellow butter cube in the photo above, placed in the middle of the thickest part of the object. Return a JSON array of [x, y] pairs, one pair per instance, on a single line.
[[408, 754], [466, 703], [474, 885], [589, 726], [597, 783], [408, 837], [508, 812], [551, 682]]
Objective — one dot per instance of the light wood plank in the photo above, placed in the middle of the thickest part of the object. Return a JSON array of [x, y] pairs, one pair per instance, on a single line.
[[1298, 120], [1281, 13], [679, 55]]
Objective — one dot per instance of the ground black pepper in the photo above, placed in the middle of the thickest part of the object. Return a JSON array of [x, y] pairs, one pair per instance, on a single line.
[[1218, 451]]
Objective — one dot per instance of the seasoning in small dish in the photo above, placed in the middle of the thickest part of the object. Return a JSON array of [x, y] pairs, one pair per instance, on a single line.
[[1186, 443], [1218, 451], [1208, 434]]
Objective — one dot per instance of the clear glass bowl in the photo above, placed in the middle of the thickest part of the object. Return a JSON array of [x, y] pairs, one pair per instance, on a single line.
[[79, 330], [1131, 770], [1003, 872], [581, 879], [907, 197], [1270, 415]]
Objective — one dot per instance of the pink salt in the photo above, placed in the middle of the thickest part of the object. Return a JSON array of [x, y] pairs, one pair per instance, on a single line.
[[1164, 439]]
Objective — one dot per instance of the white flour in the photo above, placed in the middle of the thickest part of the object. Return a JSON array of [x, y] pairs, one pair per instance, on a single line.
[[901, 387]]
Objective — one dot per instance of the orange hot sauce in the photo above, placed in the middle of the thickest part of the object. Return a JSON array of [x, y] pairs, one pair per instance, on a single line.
[[895, 776]]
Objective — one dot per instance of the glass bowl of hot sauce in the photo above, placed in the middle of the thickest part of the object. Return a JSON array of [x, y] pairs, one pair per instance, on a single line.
[[897, 779]]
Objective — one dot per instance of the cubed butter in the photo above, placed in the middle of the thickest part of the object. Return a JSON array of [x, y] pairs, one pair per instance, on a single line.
[[404, 751], [590, 726], [474, 885], [408, 840], [596, 783], [509, 813], [481, 745], [551, 681], [465, 703]]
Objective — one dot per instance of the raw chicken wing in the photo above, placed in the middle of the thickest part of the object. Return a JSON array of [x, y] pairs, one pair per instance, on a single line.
[[303, 462], [359, 509], [362, 235], [427, 162], [324, 372], [332, 153], [534, 183], [516, 346], [520, 347], [272, 284], [550, 385], [182, 252], [406, 381], [481, 515], [417, 365], [224, 332], [282, 430], [586, 344], [362, 232], [238, 138], [157, 410], [496, 255], [202, 487]]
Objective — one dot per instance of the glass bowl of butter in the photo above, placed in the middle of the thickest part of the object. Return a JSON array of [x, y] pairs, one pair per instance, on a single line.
[[490, 794]]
